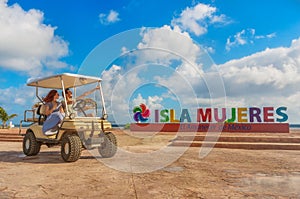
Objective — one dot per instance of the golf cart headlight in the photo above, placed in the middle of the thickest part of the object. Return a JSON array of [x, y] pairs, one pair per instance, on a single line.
[[72, 116], [105, 116]]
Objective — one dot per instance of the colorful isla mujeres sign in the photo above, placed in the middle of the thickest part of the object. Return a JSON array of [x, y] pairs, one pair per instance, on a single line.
[[267, 119]]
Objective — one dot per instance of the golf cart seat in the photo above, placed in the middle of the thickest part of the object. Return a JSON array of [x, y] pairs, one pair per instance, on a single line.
[[42, 114]]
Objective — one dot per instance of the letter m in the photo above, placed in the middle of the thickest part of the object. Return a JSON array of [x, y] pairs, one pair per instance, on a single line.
[[201, 116]]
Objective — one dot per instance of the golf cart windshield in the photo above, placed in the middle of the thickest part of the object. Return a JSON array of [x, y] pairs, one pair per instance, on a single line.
[[86, 91]]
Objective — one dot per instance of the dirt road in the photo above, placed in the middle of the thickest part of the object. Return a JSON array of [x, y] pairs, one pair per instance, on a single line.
[[223, 173]]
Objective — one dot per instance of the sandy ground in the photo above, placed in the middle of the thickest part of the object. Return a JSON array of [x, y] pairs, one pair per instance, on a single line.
[[141, 169]]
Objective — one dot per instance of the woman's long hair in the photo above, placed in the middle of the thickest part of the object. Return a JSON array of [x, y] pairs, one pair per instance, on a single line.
[[50, 96]]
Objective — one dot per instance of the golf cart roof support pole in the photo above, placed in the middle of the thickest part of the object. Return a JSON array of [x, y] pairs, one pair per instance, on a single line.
[[37, 93], [102, 98], [65, 97]]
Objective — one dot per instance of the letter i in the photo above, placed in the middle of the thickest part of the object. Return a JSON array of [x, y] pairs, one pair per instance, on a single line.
[[156, 116]]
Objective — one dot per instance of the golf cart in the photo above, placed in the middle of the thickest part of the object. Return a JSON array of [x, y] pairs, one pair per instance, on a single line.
[[81, 128]]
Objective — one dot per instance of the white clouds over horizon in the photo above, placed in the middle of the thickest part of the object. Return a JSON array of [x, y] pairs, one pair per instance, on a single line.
[[270, 77], [279, 67], [26, 43], [110, 18]]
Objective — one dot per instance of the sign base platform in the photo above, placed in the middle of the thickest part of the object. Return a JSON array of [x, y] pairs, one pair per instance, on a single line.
[[212, 127]]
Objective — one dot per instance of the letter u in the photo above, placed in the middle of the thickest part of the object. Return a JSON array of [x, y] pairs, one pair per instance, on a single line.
[[217, 115]]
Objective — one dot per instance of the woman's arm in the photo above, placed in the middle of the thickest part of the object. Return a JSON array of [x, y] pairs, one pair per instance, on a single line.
[[88, 92]]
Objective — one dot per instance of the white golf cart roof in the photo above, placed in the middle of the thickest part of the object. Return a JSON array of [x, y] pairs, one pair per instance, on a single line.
[[69, 80]]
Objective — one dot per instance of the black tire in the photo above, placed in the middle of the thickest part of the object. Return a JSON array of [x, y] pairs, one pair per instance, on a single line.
[[30, 146], [71, 148], [109, 147]]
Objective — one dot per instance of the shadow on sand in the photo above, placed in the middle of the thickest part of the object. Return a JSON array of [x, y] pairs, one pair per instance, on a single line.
[[44, 157]]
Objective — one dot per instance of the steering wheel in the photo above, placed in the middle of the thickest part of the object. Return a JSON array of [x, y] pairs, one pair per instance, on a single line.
[[79, 105]]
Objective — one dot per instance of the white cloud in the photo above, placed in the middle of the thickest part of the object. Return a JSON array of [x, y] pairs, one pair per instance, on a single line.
[[152, 102], [168, 44], [197, 19], [277, 67], [268, 36], [138, 100], [26, 44], [19, 101], [244, 37], [15, 100], [124, 50], [241, 38], [111, 17]]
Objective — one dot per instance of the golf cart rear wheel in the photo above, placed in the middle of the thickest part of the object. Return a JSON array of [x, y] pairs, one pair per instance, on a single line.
[[109, 147], [30, 145], [71, 148]]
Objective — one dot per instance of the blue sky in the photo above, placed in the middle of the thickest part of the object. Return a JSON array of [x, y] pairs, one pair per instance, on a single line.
[[255, 46]]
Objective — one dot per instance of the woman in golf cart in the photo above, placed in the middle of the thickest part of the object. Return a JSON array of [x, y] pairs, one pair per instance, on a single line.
[[53, 111]]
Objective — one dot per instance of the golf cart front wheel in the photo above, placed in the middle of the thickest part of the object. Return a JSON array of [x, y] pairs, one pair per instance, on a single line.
[[109, 147], [71, 148]]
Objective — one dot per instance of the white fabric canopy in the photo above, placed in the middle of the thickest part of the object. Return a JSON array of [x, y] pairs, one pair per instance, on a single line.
[[69, 80]]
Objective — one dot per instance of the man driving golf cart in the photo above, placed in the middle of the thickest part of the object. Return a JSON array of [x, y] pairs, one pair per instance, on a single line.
[[85, 129]]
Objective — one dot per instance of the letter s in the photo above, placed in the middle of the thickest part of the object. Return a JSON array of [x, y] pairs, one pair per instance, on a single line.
[[165, 115], [281, 112]]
